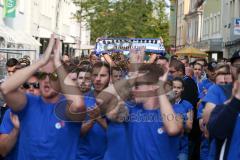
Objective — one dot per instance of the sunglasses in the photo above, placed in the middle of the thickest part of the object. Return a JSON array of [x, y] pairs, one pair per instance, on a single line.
[[27, 85], [52, 76]]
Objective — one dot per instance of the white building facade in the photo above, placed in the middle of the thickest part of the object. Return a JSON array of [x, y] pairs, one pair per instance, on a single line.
[[39, 19], [29, 31], [211, 36], [194, 23], [231, 12], [181, 29]]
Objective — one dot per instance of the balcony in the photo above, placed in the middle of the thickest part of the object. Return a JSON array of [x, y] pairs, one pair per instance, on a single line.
[[210, 45]]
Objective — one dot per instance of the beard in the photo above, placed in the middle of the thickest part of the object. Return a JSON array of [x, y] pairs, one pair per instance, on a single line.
[[49, 95]]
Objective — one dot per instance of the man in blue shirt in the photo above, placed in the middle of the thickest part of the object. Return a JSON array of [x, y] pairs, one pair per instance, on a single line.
[[218, 94], [224, 125], [84, 79], [93, 140], [42, 134], [152, 125], [9, 128], [190, 94], [224, 120]]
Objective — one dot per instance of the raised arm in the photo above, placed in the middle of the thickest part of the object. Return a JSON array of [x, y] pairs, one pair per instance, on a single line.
[[12, 96], [173, 122], [109, 60], [209, 107], [75, 108], [152, 58], [120, 91]]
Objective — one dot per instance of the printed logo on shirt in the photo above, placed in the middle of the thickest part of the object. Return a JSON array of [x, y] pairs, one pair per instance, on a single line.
[[160, 130], [59, 125]]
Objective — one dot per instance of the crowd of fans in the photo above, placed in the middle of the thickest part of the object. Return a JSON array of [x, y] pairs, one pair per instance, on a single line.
[[115, 107]]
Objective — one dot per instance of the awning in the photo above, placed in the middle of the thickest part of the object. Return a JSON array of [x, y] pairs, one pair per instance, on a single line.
[[191, 52], [18, 37], [28, 39], [8, 37]]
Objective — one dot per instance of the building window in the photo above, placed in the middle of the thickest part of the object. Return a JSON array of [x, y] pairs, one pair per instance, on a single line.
[[206, 27], [179, 10], [204, 24], [239, 7], [46, 8], [196, 32], [218, 23], [232, 8], [215, 24], [231, 11], [21, 6], [192, 5], [210, 26], [183, 8]]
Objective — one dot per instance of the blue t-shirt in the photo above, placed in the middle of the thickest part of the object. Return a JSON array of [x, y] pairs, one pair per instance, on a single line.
[[42, 135], [6, 125], [186, 107], [205, 84], [117, 138], [92, 145], [6, 128], [204, 148], [215, 95], [200, 110], [117, 143], [147, 138]]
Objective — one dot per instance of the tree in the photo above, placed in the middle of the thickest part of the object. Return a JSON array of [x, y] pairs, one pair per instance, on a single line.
[[124, 18]]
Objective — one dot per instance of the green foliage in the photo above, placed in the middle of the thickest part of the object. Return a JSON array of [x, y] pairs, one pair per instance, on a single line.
[[124, 18]]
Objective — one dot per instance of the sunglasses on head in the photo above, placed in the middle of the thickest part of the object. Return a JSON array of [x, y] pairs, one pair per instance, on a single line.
[[27, 85], [52, 76]]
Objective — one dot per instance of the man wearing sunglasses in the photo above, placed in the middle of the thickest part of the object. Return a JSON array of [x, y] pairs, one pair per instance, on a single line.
[[11, 66], [9, 129], [42, 134], [32, 85]]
